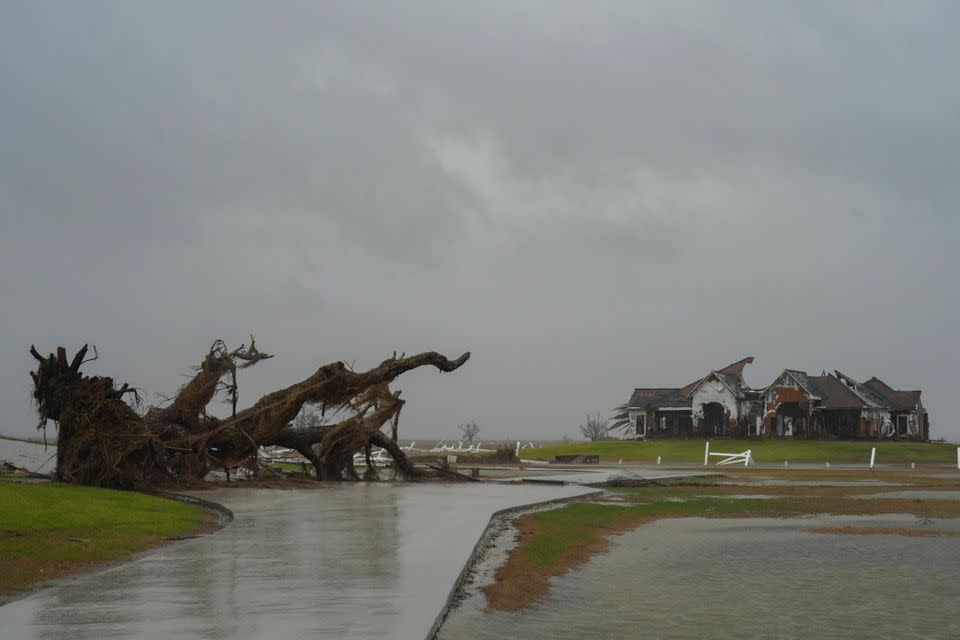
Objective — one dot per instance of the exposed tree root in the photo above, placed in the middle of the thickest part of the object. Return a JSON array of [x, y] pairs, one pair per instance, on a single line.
[[103, 441]]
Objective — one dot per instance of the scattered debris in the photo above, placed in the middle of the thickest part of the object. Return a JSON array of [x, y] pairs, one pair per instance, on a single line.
[[577, 458]]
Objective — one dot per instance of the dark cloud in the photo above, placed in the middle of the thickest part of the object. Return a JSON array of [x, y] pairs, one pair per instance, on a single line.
[[588, 196]]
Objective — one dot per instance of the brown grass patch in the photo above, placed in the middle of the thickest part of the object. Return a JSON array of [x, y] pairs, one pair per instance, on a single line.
[[521, 582], [524, 579], [922, 477]]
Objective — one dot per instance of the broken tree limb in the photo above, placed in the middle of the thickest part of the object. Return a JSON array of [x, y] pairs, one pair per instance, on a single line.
[[103, 441]]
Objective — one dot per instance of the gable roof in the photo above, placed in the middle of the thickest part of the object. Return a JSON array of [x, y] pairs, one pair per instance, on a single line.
[[731, 376], [641, 398], [896, 399], [730, 381], [678, 399], [801, 378], [836, 391], [834, 394], [871, 399]]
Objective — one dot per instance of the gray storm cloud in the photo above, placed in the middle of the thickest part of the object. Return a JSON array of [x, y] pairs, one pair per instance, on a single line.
[[589, 196]]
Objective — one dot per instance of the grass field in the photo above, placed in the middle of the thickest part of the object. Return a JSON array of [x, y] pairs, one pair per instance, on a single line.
[[764, 451], [49, 530]]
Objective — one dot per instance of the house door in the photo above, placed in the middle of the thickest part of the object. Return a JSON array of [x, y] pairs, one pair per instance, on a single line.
[[791, 420], [714, 419], [902, 422], [641, 426], [784, 426]]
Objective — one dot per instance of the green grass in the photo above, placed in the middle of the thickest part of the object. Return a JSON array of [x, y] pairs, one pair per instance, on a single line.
[[577, 523], [764, 451], [37, 522], [558, 531], [291, 467], [552, 542]]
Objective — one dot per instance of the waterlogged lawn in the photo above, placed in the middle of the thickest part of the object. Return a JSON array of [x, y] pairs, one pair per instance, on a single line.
[[559, 533], [551, 542], [764, 451], [560, 530], [48, 530]]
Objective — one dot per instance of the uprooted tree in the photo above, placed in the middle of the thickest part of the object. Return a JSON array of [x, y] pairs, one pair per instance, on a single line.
[[103, 441]]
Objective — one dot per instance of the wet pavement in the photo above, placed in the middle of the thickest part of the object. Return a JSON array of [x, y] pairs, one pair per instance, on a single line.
[[342, 561], [601, 475], [379, 560]]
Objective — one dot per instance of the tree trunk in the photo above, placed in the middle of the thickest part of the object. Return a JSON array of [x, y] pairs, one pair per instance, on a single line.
[[102, 441]]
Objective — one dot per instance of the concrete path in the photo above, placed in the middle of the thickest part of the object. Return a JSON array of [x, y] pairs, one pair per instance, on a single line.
[[341, 561], [591, 476], [344, 561]]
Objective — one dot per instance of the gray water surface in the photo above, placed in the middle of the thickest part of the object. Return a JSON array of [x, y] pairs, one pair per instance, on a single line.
[[913, 495], [28, 455], [753, 578], [343, 561]]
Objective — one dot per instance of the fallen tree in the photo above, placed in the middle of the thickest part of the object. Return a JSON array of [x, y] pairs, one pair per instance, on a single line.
[[103, 441]]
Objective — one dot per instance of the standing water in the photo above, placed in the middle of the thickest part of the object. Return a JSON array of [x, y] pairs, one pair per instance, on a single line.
[[342, 561], [699, 578]]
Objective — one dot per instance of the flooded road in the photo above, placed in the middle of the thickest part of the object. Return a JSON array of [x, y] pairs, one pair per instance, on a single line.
[[29, 455], [343, 561], [747, 578]]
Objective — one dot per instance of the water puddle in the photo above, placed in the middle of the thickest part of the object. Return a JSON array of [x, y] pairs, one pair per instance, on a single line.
[[915, 495], [743, 496], [757, 578], [770, 482]]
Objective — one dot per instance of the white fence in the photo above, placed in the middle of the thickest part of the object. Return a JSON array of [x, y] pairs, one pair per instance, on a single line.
[[746, 457]]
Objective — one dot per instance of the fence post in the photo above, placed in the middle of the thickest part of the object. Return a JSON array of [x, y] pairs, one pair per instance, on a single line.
[[706, 454], [873, 457]]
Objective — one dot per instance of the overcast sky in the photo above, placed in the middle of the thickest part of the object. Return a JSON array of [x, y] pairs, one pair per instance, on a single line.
[[589, 196]]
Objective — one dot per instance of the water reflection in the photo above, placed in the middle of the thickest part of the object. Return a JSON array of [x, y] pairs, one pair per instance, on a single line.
[[356, 561], [696, 578]]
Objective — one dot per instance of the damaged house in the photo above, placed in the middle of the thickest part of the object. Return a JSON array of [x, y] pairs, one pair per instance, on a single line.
[[795, 405]]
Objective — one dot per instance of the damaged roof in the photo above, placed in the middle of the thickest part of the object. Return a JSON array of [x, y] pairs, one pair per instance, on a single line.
[[736, 368], [731, 375], [894, 398], [660, 398], [834, 394], [734, 381], [674, 400], [838, 392], [804, 381], [642, 398]]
